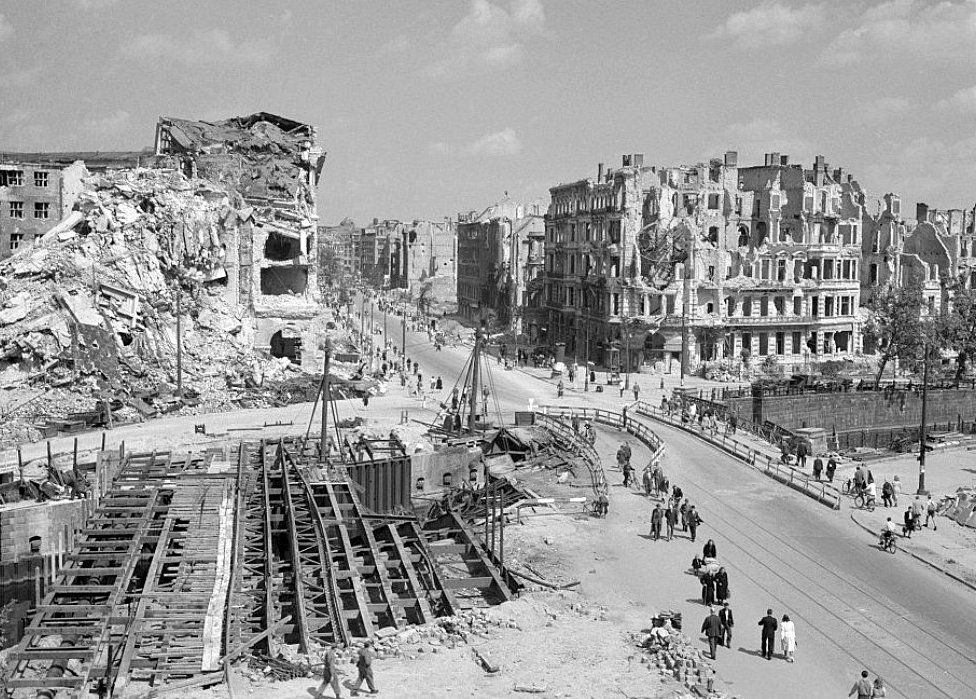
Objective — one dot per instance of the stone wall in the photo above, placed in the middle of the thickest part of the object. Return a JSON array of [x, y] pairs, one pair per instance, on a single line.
[[842, 412]]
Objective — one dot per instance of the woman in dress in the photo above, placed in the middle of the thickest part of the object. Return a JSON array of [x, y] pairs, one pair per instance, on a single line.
[[787, 632], [721, 586]]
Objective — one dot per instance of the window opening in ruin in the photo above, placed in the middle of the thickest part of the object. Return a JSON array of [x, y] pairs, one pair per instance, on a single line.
[[780, 343], [15, 240], [280, 248], [730, 306], [728, 345], [713, 235], [42, 209], [797, 305], [760, 233], [16, 209], [713, 201], [711, 272], [829, 306], [763, 344], [815, 306], [671, 303], [35, 544], [747, 342], [290, 347], [11, 178], [764, 306], [774, 201], [812, 343], [709, 308], [779, 305], [125, 339], [40, 178], [654, 305], [747, 306], [797, 339], [276, 281], [781, 270]]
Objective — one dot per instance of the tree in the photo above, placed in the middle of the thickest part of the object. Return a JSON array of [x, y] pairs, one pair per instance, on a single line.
[[957, 327], [895, 324]]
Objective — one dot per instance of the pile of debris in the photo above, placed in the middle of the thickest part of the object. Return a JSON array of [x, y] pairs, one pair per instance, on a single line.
[[667, 651], [88, 314]]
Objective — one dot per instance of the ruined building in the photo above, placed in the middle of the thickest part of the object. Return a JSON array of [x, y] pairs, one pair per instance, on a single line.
[[702, 263], [500, 264], [273, 164]]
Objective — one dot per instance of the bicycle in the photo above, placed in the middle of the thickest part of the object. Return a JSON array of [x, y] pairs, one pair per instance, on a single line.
[[864, 501], [889, 544]]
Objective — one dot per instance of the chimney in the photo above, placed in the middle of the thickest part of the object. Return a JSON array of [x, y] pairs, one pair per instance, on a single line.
[[625, 161], [766, 159], [839, 174], [599, 172], [731, 158], [638, 160], [921, 212], [819, 163], [819, 169], [774, 159], [784, 160]]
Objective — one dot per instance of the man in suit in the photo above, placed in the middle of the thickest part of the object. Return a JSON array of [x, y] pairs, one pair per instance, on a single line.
[[769, 626], [693, 521], [656, 517], [712, 627], [725, 616]]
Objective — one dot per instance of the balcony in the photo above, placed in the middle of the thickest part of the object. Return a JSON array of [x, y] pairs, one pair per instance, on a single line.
[[771, 320]]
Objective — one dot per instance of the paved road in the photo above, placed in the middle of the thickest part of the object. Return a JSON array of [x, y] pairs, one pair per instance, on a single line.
[[855, 607]]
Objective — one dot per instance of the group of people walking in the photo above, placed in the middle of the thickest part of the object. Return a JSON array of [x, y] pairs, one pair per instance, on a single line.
[[717, 627]]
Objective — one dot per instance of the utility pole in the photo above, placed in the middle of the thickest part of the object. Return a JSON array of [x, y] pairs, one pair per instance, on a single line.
[[626, 336], [475, 376], [921, 432], [179, 340], [325, 447], [404, 338]]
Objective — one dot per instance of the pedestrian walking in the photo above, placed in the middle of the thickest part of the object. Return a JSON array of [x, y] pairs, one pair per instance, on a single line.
[[440, 384], [670, 516], [712, 628], [831, 468], [787, 638], [576, 423], [330, 673], [648, 481], [683, 510], [887, 493], [364, 663], [918, 509], [733, 423], [636, 390], [896, 485], [728, 621], [656, 517], [930, 509], [862, 687], [623, 388], [879, 689], [721, 585], [708, 587], [817, 467], [710, 550], [693, 521], [559, 389], [769, 626], [909, 522], [628, 474]]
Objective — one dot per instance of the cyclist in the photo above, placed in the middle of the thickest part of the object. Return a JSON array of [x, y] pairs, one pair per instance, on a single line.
[[887, 532], [870, 494]]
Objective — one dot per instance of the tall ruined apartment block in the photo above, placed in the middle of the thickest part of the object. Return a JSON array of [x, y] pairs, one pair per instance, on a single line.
[[754, 261], [272, 164]]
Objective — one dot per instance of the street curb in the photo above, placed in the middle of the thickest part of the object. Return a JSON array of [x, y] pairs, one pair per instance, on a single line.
[[917, 557]]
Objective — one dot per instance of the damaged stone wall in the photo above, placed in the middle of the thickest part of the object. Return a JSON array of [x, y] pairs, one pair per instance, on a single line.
[[273, 164]]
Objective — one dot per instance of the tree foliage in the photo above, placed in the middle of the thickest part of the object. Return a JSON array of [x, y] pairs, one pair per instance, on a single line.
[[958, 327], [895, 324]]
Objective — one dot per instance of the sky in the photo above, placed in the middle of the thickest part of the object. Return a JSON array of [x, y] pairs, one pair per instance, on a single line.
[[431, 107]]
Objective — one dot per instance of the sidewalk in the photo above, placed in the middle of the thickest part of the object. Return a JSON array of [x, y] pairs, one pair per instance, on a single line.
[[951, 548]]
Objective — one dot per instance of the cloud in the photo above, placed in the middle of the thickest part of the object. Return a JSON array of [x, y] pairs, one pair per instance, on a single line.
[[107, 125], [21, 130], [287, 18], [439, 148], [768, 24], [94, 4], [939, 172], [202, 47], [21, 77], [963, 100], [489, 37], [752, 139], [6, 31], [880, 111], [499, 144], [940, 31]]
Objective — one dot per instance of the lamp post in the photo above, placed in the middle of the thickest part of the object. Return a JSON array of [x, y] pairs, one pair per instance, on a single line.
[[921, 433], [627, 335]]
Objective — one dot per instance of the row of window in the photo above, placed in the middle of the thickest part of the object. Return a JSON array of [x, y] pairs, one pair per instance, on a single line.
[[825, 343], [832, 306], [42, 209], [15, 178]]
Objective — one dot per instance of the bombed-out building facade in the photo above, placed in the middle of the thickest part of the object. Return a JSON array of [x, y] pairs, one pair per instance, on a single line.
[[270, 266], [705, 263]]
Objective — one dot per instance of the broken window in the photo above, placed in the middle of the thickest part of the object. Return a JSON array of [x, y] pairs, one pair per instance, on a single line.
[[40, 178], [808, 204], [711, 272], [760, 233], [15, 240], [780, 343], [779, 303], [654, 305], [815, 306], [845, 305], [287, 344], [276, 281], [709, 308], [747, 306], [690, 203], [781, 270], [11, 178], [764, 306], [743, 237], [828, 269], [713, 235], [671, 302], [763, 344], [747, 342], [42, 209], [730, 306], [16, 209], [280, 248], [616, 304], [713, 201], [764, 269], [797, 305], [797, 339], [829, 306], [812, 342]]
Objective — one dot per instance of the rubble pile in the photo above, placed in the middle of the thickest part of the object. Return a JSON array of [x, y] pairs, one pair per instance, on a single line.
[[88, 314], [681, 660]]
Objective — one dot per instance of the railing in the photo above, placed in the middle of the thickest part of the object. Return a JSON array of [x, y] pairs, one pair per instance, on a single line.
[[620, 421], [843, 385], [818, 490], [566, 435]]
